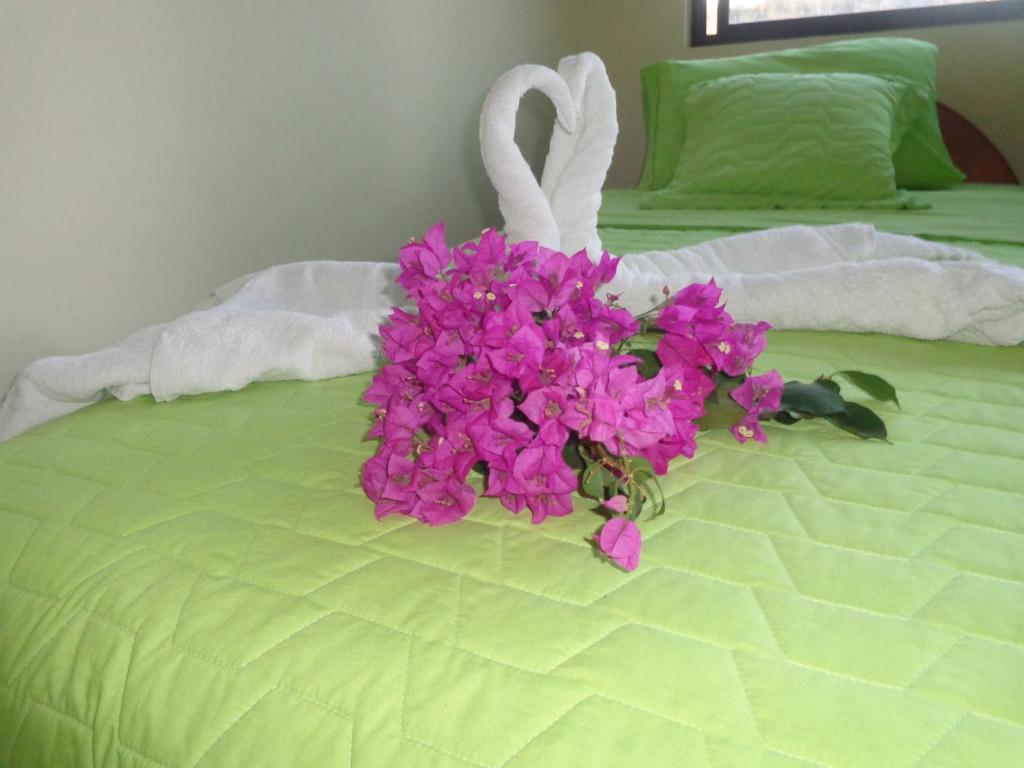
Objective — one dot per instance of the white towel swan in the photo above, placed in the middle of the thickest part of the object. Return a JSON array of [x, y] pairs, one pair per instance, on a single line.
[[524, 206], [561, 211], [578, 162]]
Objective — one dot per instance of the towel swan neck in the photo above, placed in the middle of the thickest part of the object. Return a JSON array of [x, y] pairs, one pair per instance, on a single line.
[[527, 212], [578, 160]]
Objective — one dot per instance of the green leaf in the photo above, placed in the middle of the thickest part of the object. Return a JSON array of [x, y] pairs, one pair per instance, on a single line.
[[636, 502], [861, 421], [814, 398], [594, 481], [649, 362], [785, 417], [724, 385], [659, 505], [639, 467], [876, 386], [643, 341], [826, 382], [721, 414], [571, 455]]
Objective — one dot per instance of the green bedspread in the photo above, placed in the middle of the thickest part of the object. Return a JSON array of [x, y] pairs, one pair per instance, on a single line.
[[986, 217], [203, 583]]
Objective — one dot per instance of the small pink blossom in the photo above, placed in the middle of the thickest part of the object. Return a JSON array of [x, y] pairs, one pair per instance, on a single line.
[[749, 428], [616, 503], [620, 540], [760, 393]]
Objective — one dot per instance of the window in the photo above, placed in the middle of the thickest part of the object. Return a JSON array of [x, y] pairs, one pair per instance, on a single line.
[[734, 21]]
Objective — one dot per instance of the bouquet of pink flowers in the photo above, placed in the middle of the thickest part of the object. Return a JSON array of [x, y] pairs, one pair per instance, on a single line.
[[514, 367]]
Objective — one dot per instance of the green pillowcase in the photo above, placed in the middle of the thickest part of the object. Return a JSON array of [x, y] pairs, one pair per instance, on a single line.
[[790, 141], [921, 160]]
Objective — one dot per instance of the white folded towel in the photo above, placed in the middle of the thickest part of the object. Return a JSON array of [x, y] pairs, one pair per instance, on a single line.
[[309, 320], [523, 205], [314, 320], [846, 277]]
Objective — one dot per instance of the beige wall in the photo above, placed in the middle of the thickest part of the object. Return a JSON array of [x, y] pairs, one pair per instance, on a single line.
[[151, 151], [980, 71]]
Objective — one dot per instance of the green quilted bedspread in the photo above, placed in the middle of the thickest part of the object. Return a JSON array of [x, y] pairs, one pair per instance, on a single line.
[[986, 217], [201, 583]]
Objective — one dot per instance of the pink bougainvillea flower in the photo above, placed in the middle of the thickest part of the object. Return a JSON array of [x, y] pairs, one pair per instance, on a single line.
[[400, 424], [540, 469], [499, 327], [620, 540], [702, 298], [676, 318], [499, 475], [495, 433], [485, 258], [648, 421], [544, 505], [565, 328], [759, 393], [434, 367], [606, 268], [735, 351], [546, 407], [616, 503], [474, 388], [603, 424], [510, 355], [682, 443], [451, 453], [688, 384], [682, 351], [522, 352], [613, 324], [695, 311], [749, 429], [443, 501], [402, 476], [395, 380], [404, 337], [375, 476], [555, 367], [422, 260], [755, 338]]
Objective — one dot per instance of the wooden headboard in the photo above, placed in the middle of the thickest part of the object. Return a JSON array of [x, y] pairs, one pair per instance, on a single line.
[[972, 151]]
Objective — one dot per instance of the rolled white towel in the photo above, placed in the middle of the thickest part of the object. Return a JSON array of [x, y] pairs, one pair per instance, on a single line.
[[313, 320], [845, 277]]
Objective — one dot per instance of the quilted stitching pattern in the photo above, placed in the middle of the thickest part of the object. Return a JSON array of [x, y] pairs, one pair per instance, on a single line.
[[201, 583], [813, 136]]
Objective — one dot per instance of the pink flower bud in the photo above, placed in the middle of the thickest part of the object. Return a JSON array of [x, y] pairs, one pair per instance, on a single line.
[[616, 504], [620, 540]]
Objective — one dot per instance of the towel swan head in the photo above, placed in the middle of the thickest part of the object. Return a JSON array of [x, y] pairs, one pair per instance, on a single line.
[[524, 206]]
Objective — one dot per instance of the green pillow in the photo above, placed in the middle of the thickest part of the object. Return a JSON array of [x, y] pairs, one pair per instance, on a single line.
[[921, 160], [790, 141]]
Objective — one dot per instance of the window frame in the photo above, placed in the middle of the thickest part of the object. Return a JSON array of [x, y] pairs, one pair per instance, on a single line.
[[846, 23]]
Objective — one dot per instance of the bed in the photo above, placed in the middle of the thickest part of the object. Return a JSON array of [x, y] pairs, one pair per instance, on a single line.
[[203, 583]]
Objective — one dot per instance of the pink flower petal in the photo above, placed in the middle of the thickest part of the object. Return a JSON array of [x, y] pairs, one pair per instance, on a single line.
[[617, 504], [620, 540]]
